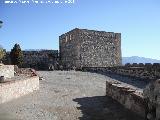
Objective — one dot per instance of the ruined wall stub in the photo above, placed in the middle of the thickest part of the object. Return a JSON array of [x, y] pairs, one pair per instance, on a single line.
[[7, 71], [89, 48]]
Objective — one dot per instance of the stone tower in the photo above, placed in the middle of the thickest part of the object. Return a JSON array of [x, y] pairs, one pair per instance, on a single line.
[[90, 48]]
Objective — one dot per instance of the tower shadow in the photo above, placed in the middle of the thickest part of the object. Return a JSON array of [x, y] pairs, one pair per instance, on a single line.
[[103, 108]]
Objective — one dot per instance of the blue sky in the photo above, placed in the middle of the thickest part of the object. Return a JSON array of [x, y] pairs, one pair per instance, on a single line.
[[37, 26]]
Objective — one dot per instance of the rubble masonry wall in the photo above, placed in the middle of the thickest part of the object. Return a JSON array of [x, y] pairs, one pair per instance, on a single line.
[[7, 71], [14, 89]]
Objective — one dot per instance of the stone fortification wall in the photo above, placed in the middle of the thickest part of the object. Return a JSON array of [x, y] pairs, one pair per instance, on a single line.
[[129, 96], [17, 88], [147, 71], [31, 57], [37, 59], [89, 48], [7, 71], [40, 60]]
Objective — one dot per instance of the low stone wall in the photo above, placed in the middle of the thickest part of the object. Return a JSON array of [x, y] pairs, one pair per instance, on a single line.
[[146, 101], [127, 95], [7, 71], [17, 88], [150, 73], [25, 71]]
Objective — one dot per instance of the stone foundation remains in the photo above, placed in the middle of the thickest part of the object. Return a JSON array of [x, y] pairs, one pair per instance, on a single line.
[[7, 71], [25, 81], [17, 88]]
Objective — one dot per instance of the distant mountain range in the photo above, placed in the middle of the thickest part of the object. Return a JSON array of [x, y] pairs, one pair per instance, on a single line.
[[34, 49], [136, 59]]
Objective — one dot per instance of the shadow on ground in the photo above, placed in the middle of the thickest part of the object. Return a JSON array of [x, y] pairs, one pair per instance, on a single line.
[[103, 108]]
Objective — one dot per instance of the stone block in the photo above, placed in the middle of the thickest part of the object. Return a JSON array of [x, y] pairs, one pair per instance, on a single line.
[[7, 71]]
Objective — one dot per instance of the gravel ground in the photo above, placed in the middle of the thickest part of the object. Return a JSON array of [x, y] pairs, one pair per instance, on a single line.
[[67, 95]]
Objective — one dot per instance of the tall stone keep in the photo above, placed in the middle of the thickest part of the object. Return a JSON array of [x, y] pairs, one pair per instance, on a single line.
[[89, 48]]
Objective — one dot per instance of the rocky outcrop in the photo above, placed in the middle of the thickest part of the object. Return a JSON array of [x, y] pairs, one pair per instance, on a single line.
[[152, 96]]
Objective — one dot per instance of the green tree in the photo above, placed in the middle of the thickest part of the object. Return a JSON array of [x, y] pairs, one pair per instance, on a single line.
[[1, 22], [16, 55], [2, 53]]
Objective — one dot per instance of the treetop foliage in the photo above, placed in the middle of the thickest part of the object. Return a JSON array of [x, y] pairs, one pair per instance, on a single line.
[[16, 55]]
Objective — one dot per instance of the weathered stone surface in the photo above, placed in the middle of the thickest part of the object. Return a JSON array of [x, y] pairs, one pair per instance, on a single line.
[[144, 101], [82, 48], [25, 71], [17, 88], [147, 72], [127, 95], [40, 59], [32, 57], [7, 71], [152, 95]]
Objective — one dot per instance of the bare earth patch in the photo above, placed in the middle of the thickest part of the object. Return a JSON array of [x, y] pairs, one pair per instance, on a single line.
[[67, 95]]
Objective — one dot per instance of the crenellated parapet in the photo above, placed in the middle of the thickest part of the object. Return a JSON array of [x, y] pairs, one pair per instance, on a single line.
[[143, 71]]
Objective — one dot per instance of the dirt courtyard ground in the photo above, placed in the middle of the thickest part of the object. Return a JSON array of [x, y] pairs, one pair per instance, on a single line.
[[67, 95]]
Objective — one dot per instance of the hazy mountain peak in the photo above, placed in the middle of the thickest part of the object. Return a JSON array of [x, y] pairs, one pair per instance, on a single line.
[[137, 59]]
